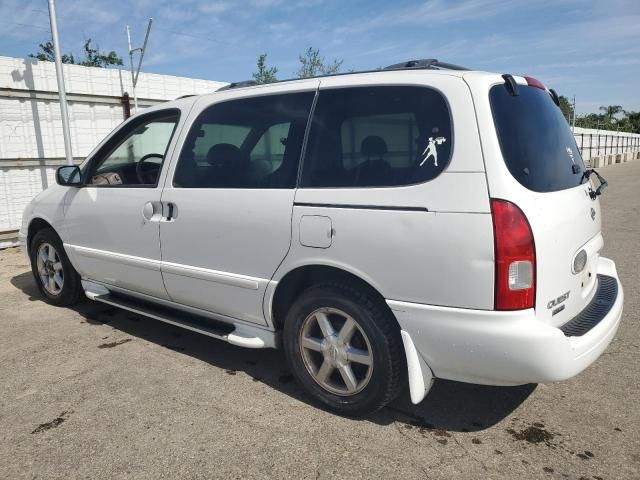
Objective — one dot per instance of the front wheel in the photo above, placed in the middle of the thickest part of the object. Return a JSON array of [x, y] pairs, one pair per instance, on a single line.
[[56, 278], [344, 347]]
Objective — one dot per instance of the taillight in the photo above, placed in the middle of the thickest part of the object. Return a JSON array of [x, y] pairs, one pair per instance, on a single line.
[[533, 82], [515, 257]]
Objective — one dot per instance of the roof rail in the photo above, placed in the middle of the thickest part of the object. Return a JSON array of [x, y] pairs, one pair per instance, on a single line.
[[244, 83], [429, 63], [426, 63]]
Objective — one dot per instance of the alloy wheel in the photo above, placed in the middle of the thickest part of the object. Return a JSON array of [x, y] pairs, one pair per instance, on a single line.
[[336, 351], [50, 271]]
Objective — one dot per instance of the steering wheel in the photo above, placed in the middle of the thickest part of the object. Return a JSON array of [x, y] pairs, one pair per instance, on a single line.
[[147, 173]]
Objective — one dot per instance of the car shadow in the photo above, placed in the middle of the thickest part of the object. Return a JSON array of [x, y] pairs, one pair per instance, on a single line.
[[450, 406]]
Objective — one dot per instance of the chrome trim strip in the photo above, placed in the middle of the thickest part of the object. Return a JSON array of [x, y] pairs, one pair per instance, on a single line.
[[226, 278], [232, 279], [130, 260]]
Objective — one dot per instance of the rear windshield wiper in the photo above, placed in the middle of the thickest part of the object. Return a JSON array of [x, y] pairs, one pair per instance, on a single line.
[[603, 183]]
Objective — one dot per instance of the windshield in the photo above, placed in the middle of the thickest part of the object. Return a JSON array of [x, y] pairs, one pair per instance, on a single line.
[[536, 141]]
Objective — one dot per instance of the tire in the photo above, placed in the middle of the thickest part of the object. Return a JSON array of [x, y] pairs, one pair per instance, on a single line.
[[375, 379], [54, 266]]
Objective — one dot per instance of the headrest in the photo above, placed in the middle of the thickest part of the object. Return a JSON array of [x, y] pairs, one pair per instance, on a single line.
[[373, 146], [224, 155]]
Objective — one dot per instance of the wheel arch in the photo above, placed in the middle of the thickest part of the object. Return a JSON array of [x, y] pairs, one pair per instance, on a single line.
[[296, 280], [35, 225]]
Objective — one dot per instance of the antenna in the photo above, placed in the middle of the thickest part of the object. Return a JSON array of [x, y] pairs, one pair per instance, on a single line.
[[134, 76]]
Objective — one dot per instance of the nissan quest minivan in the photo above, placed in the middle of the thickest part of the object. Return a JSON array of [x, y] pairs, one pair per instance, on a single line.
[[383, 228]]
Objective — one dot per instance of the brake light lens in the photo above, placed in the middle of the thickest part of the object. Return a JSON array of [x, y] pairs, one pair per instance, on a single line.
[[533, 82], [515, 257]]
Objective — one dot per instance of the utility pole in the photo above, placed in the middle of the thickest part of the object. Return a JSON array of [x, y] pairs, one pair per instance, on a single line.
[[62, 94], [573, 122], [134, 76]]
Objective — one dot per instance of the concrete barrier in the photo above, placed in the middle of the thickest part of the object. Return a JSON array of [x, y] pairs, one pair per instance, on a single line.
[[603, 161]]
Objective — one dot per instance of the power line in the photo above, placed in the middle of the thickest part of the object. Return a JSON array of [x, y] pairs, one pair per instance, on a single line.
[[197, 37], [28, 25]]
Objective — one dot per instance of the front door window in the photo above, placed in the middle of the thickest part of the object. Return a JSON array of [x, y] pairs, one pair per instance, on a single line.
[[135, 157]]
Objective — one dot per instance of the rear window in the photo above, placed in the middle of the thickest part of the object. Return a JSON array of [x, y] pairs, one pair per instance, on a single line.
[[377, 137], [536, 141]]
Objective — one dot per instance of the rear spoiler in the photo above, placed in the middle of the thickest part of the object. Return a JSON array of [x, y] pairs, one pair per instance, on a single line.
[[512, 86]]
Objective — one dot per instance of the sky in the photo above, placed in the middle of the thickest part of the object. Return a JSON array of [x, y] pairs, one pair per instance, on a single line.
[[590, 49]]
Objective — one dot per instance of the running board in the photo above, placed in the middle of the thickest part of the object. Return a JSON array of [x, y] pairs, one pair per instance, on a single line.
[[238, 334]]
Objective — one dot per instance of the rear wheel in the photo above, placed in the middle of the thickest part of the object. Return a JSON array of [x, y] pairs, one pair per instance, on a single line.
[[344, 347], [56, 278]]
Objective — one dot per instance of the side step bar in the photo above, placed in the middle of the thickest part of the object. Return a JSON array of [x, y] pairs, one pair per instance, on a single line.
[[239, 334]]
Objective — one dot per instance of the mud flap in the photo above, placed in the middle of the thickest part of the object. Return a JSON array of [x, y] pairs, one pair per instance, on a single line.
[[420, 375]]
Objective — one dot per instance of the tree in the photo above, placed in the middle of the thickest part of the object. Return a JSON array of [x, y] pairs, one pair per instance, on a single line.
[[265, 74], [46, 54], [630, 122], [611, 111], [312, 64], [566, 108], [627, 122], [93, 57], [591, 120]]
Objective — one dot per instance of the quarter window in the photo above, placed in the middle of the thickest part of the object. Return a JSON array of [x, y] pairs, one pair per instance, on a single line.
[[248, 143], [377, 137]]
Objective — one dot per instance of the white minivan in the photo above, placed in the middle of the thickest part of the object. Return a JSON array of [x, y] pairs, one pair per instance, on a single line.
[[384, 228]]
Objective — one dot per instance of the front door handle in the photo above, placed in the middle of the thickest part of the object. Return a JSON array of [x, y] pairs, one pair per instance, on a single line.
[[170, 211]]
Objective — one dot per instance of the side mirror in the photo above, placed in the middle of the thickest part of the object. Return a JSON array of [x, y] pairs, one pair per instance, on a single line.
[[69, 176]]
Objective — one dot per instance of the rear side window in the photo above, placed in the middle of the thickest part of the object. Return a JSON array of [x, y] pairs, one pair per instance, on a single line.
[[536, 141], [246, 143], [377, 137]]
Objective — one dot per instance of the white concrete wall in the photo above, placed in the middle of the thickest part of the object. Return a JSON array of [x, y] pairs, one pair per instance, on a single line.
[[31, 142], [30, 74], [17, 187]]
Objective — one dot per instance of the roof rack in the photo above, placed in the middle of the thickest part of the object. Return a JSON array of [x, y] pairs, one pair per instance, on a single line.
[[244, 83], [426, 63], [429, 63]]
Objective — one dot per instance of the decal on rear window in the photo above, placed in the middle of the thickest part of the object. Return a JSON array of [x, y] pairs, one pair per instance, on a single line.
[[432, 150]]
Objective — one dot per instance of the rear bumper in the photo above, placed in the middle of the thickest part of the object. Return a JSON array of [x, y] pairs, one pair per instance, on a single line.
[[504, 348]]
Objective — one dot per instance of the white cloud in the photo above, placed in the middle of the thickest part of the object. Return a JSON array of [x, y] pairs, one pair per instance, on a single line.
[[215, 7], [266, 3]]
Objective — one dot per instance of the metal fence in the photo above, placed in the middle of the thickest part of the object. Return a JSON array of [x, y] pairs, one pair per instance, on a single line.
[[603, 143]]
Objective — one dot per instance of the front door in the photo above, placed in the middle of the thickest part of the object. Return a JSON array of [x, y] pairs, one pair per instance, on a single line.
[[112, 221], [232, 197]]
